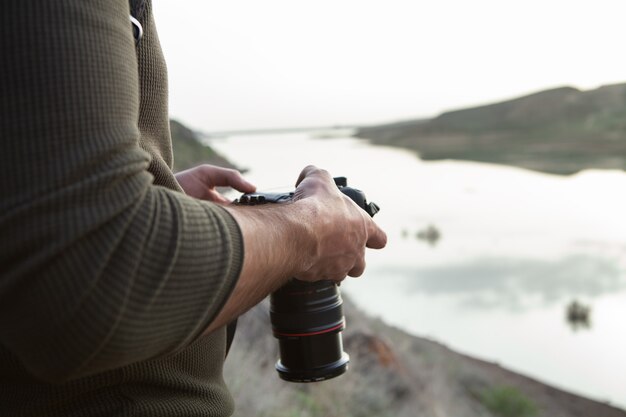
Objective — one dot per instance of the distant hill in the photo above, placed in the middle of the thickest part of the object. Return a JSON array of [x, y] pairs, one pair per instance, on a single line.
[[189, 151], [561, 131]]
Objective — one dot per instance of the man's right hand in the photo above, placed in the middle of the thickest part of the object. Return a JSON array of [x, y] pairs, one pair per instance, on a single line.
[[321, 234], [341, 230]]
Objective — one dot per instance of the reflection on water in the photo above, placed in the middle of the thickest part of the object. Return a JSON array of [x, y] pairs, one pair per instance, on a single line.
[[578, 315], [430, 234], [516, 284]]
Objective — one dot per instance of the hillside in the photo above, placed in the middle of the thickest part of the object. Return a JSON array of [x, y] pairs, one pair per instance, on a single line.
[[561, 131], [391, 374], [189, 151]]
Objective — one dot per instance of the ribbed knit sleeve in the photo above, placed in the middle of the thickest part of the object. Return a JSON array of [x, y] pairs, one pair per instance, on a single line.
[[100, 268]]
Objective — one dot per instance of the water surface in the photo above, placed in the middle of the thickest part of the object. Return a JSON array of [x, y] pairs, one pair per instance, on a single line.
[[516, 248]]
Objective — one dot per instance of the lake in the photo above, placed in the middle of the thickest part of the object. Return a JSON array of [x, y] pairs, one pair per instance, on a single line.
[[516, 247]]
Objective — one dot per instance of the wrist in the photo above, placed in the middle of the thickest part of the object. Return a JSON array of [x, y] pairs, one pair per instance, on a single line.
[[279, 241]]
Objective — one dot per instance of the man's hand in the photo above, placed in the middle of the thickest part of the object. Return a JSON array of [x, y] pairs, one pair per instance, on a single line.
[[321, 234], [200, 182], [340, 228]]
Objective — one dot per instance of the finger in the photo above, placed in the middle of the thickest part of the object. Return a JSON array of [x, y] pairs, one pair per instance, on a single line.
[[340, 268], [216, 197], [313, 171], [336, 277], [241, 184], [376, 238], [226, 177], [308, 170], [358, 269]]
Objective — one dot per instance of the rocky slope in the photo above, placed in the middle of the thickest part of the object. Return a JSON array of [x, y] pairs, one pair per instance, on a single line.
[[391, 374], [189, 151]]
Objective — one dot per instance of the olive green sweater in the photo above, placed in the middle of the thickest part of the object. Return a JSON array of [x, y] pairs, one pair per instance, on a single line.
[[108, 272]]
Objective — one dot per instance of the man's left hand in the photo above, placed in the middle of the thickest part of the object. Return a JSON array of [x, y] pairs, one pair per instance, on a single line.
[[200, 182]]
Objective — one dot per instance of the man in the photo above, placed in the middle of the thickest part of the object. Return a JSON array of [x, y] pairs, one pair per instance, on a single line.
[[115, 285]]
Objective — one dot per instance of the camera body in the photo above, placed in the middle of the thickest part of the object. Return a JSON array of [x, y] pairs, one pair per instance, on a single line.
[[307, 317]]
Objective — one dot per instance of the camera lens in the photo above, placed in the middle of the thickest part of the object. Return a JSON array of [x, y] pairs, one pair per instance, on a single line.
[[307, 319]]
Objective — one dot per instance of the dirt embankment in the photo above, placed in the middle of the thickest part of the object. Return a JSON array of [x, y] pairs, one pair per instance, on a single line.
[[391, 374]]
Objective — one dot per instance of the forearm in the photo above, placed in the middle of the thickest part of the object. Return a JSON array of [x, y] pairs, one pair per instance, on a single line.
[[84, 294], [100, 267], [278, 244]]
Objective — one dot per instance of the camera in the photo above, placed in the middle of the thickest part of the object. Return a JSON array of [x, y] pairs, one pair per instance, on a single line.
[[307, 317]]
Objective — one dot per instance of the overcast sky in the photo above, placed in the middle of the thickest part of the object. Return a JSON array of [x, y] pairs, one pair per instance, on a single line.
[[242, 64]]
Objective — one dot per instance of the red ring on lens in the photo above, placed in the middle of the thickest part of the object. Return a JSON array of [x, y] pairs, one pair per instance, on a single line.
[[330, 329]]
